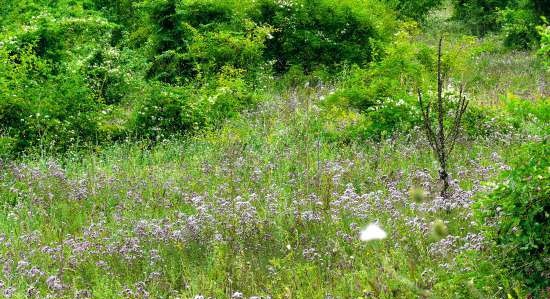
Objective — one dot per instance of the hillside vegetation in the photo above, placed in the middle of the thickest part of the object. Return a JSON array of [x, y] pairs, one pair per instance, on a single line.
[[274, 149]]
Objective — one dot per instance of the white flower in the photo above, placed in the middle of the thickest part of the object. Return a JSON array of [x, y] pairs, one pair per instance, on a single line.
[[372, 232], [237, 295]]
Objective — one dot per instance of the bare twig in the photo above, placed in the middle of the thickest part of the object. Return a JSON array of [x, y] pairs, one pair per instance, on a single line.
[[442, 142]]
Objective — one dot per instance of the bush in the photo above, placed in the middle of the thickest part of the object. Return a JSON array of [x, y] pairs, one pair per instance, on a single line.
[[168, 109], [479, 16], [521, 111], [416, 10], [518, 215], [39, 107], [518, 27], [544, 51], [386, 91], [160, 113], [517, 20], [323, 32], [196, 39], [479, 121]]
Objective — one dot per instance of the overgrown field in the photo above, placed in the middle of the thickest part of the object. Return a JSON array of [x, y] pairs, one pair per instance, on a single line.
[[240, 149]]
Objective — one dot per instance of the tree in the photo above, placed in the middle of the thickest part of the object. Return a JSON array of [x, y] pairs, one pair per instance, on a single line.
[[442, 140]]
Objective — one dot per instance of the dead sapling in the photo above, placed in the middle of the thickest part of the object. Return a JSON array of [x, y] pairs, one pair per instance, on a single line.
[[442, 140]]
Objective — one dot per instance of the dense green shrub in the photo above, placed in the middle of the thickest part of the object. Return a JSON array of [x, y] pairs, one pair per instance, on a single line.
[[45, 98], [479, 121], [518, 27], [518, 214], [517, 19], [396, 75], [544, 51], [323, 32], [514, 115], [160, 112], [521, 111], [385, 92], [196, 39], [479, 16], [71, 77], [168, 109], [382, 120], [105, 76], [417, 9]]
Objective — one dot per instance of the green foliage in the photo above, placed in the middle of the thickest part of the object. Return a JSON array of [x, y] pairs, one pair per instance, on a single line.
[[44, 109], [386, 91], [479, 121], [544, 51], [171, 109], [351, 114], [516, 19], [513, 116], [416, 10], [518, 27], [519, 210], [323, 32], [196, 39], [528, 110], [479, 16]]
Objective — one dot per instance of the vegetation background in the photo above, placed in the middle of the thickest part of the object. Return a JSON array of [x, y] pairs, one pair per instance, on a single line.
[[235, 149]]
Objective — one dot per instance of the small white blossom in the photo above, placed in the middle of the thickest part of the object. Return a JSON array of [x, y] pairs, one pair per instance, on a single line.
[[372, 232]]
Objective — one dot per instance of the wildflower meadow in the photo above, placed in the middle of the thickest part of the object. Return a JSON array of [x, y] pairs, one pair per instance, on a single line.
[[274, 149]]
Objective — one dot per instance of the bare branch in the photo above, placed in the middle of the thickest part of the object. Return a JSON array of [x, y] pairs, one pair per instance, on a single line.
[[426, 121], [441, 141]]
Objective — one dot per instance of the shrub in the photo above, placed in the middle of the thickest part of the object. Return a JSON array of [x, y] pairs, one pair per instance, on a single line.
[[211, 51], [518, 27], [105, 76], [481, 121], [196, 39], [344, 125], [522, 111], [323, 32], [517, 20], [384, 92], [518, 215], [544, 51], [168, 109], [161, 112], [38, 107], [416, 10], [479, 16]]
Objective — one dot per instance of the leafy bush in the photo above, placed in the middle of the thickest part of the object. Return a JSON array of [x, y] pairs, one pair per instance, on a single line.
[[479, 16], [212, 51], [416, 10], [518, 26], [517, 20], [386, 91], [544, 51], [521, 111], [515, 115], [171, 109], [480, 121], [383, 119], [160, 112], [196, 39], [518, 213], [41, 108], [393, 115], [323, 32]]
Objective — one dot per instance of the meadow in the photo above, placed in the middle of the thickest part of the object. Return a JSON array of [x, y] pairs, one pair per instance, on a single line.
[[273, 149]]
